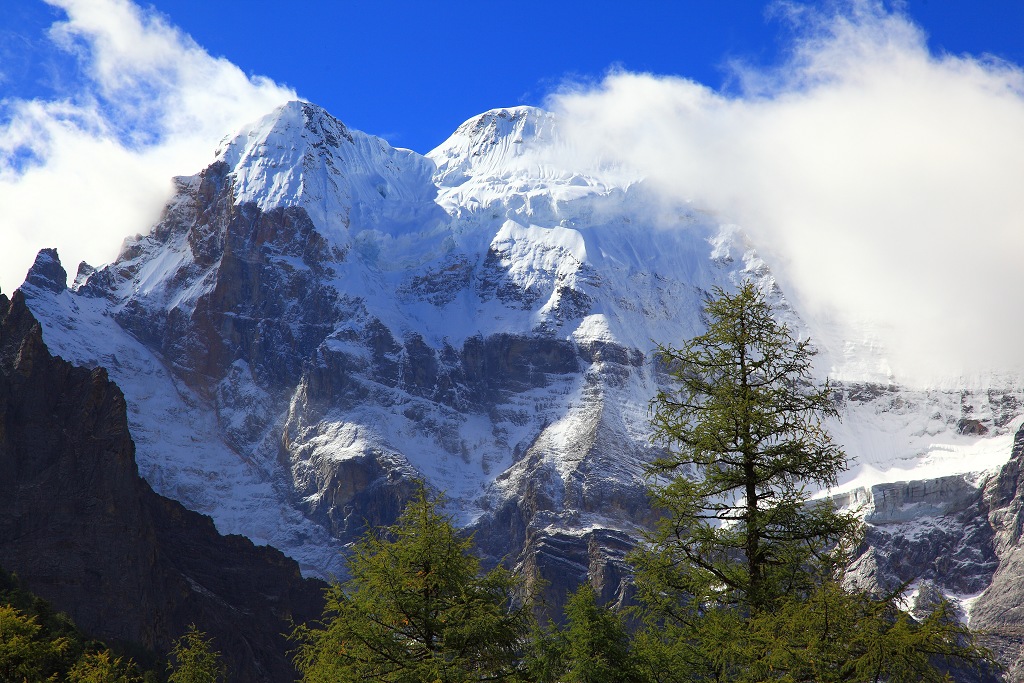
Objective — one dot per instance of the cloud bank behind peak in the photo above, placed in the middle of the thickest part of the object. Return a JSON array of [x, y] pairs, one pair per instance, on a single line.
[[881, 181], [884, 183]]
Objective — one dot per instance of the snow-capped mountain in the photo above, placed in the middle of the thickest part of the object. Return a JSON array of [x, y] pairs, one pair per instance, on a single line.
[[317, 310], [319, 318]]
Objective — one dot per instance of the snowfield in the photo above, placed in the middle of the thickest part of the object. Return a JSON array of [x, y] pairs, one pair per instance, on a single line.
[[482, 237]]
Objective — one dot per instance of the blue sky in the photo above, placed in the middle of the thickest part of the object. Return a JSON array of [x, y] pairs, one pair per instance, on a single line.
[[871, 150], [411, 71]]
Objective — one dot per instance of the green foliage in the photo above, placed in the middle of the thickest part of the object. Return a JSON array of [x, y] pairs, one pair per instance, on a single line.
[[544, 662], [745, 437], [837, 635], [193, 659], [831, 635], [25, 655], [417, 609], [741, 580], [103, 667], [594, 647], [53, 625], [39, 644]]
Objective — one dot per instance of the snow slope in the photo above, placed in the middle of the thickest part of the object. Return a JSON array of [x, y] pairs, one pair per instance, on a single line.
[[179, 446], [483, 316]]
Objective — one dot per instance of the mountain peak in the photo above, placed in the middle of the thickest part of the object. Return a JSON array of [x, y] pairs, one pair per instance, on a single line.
[[47, 272], [489, 142], [289, 121], [492, 125], [300, 155], [269, 155]]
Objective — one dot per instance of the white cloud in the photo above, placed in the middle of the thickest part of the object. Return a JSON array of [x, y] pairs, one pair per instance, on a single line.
[[884, 183], [153, 104]]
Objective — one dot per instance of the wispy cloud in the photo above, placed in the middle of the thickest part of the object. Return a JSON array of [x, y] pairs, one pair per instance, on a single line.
[[82, 172], [882, 181]]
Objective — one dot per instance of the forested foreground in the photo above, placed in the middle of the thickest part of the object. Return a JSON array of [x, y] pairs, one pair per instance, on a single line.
[[38, 643], [742, 579], [417, 608]]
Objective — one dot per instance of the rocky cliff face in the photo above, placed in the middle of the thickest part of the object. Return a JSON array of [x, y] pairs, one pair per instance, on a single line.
[[935, 531], [1000, 609], [390, 317], [956, 536], [85, 532], [319, 318]]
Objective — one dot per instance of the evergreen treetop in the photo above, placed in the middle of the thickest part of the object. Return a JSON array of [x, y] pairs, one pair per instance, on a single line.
[[193, 659], [417, 608], [745, 438], [742, 578]]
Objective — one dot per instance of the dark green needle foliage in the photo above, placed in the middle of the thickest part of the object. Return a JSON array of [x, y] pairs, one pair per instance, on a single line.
[[836, 635], [745, 438], [593, 647], [416, 609], [742, 578]]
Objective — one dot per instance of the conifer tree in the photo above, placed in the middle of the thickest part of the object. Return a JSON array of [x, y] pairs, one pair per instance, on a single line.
[[745, 439], [417, 608], [742, 578], [103, 667], [25, 653], [193, 659], [593, 647]]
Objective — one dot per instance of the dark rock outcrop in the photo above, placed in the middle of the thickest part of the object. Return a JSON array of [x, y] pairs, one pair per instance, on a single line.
[[85, 532], [934, 531], [958, 536], [563, 561], [47, 272], [1000, 610], [267, 305]]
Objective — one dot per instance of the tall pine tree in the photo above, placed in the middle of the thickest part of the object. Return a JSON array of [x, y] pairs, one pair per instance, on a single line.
[[742, 578], [745, 439]]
